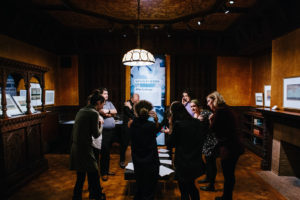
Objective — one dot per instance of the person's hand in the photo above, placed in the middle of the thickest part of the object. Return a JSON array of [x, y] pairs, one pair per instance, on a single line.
[[127, 103], [129, 123], [154, 115], [210, 118], [101, 121], [201, 118], [183, 101], [167, 131]]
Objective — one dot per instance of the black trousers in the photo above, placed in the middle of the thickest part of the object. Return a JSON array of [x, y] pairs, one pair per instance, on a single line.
[[94, 185], [228, 167], [211, 168], [188, 190], [107, 138], [124, 142], [146, 180]]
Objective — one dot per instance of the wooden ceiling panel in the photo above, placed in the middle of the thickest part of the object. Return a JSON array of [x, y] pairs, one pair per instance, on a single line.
[[75, 20], [154, 9]]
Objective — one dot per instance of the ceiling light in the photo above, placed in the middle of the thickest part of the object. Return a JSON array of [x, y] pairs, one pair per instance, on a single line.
[[138, 57], [156, 27], [226, 11], [199, 22], [231, 2]]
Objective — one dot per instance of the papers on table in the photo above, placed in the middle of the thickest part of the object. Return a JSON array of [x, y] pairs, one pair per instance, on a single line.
[[168, 162], [164, 171], [129, 166], [163, 155], [163, 150]]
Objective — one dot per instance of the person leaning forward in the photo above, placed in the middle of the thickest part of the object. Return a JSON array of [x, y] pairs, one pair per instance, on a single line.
[[82, 158]]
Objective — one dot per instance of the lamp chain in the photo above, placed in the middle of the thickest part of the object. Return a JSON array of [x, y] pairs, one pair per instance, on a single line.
[[138, 26]]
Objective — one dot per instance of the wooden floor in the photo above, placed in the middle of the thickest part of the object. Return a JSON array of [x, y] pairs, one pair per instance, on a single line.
[[57, 183]]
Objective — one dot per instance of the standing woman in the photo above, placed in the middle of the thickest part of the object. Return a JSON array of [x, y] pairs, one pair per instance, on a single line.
[[208, 147], [187, 136], [144, 150], [223, 123]]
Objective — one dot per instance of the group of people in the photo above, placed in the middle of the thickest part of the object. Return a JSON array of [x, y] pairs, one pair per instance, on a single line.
[[189, 129]]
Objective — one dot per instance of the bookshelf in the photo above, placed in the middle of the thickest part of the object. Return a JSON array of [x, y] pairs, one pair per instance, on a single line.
[[253, 131]]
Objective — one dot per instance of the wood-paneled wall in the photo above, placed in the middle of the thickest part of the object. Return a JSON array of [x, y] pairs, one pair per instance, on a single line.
[[285, 63], [261, 73], [234, 80]]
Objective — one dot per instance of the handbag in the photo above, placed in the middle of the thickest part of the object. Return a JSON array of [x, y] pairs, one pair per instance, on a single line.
[[209, 144]]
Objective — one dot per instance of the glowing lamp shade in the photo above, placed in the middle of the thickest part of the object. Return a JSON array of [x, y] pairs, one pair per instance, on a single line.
[[138, 57]]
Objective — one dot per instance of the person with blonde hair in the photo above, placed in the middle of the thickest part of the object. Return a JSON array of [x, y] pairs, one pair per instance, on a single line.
[[224, 123], [144, 150]]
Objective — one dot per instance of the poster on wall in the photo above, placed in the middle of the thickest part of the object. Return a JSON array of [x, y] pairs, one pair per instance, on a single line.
[[49, 97], [259, 101], [35, 94], [291, 92], [149, 82], [267, 96]]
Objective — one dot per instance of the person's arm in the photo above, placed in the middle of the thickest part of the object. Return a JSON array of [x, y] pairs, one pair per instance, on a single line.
[[172, 135], [128, 112], [112, 110], [96, 125]]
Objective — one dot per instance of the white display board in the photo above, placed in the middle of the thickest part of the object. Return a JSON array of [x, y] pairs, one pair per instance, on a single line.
[[267, 95], [291, 93]]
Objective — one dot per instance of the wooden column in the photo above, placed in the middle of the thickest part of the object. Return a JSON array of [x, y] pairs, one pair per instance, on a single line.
[[43, 92], [3, 94], [27, 86]]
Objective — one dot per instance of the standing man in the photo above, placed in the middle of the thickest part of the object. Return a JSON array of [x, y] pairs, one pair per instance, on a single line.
[[82, 157], [128, 114], [108, 112], [186, 101]]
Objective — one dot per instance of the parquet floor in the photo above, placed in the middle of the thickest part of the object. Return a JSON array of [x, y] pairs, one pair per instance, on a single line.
[[57, 183]]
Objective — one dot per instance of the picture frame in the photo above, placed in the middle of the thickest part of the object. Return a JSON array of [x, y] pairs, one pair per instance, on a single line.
[[267, 95], [21, 103], [12, 108], [291, 92], [259, 100], [49, 97]]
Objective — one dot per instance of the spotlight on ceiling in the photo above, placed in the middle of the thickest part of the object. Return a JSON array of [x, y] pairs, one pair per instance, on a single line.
[[156, 27], [199, 22], [231, 2]]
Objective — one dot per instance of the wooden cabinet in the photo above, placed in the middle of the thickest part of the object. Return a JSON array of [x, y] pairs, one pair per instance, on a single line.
[[253, 131]]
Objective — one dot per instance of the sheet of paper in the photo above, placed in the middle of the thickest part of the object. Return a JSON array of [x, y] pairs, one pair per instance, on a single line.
[[168, 162], [163, 150], [129, 166], [163, 155], [164, 171]]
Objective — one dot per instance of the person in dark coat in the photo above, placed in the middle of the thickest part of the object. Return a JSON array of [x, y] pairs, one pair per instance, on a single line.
[[82, 158], [224, 123], [208, 147], [144, 150], [187, 135], [128, 115]]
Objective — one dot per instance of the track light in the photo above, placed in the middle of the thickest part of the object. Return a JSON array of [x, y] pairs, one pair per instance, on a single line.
[[199, 22], [231, 2]]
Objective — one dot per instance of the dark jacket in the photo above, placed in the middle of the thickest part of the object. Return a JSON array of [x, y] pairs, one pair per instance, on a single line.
[[143, 142], [224, 124], [86, 125], [128, 113], [188, 137]]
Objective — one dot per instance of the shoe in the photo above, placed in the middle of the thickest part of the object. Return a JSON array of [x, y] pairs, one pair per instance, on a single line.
[[122, 165], [203, 181], [104, 177], [208, 188], [111, 173]]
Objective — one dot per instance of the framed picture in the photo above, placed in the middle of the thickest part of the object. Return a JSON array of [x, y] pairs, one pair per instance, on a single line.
[[21, 103], [267, 95], [12, 108], [259, 101], [49, 97], [291, 93], [35, 94]]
